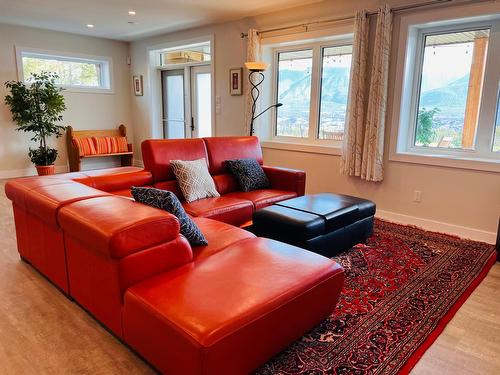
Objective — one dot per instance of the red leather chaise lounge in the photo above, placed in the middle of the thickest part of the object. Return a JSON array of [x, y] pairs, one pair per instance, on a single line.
[[224, 308]]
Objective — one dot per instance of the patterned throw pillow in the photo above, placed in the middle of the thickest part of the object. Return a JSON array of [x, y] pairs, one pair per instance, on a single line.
[[194, 180], [166, 200], [248, 173], [85, 145]]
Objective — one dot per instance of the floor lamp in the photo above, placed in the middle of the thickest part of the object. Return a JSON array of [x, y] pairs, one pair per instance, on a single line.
[[256, 77]]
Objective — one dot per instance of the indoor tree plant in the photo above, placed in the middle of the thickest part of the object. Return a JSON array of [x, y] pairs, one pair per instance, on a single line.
[[36, 107]]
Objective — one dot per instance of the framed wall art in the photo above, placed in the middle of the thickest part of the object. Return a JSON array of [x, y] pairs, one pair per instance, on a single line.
[[235, 81], [138, 89]]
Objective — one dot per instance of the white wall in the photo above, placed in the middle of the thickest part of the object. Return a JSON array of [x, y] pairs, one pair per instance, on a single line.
[[458, 200], [84, 110]]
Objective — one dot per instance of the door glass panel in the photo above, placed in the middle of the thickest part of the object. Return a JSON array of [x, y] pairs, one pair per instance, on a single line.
[[203, 107], [173, 105]]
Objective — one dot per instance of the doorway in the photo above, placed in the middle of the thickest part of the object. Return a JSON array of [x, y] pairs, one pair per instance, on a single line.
[[187, 102]]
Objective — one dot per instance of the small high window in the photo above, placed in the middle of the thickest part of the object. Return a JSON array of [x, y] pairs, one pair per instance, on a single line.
[[79, 73]]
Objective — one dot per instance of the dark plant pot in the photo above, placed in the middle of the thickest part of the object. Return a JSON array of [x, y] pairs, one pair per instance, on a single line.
[[45, 170]]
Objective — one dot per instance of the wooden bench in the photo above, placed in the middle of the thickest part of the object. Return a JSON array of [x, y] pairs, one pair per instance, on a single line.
[[74, 157]]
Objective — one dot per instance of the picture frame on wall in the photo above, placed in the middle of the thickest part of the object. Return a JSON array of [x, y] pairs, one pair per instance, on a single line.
[[138, 89], [235, 81]]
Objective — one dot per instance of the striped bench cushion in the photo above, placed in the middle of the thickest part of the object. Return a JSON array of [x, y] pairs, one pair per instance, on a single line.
[[85, 145], [110, 145]]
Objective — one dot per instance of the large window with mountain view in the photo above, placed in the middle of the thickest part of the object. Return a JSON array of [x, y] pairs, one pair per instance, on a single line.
[[455, 105], [313, 86]]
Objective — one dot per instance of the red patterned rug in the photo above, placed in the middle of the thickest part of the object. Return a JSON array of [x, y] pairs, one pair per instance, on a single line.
[[401, 289]]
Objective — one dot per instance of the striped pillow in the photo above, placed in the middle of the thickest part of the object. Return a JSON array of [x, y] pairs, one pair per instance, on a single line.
[[85, 145], [121, 144], [110, 145]]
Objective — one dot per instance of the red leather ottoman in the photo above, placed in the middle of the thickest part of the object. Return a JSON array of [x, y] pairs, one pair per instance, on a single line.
[[232, 311]]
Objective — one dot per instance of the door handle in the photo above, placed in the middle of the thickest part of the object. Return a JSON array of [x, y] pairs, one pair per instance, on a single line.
[[192, 124]]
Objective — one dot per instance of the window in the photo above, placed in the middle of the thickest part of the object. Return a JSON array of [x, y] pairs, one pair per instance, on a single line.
[[451, 82], [450, 96], [334, 91], [198, 53], [80, 73], [294, 92], [312, 83]]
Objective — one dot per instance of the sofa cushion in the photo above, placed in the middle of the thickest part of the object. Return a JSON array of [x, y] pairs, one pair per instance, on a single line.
[[46, 201], [166, 200], [116, 226], [221, 149], [170, 185], [264, 197], [117, 181], [225, 183], [248, 173], [194, 180], [219, 236], [229, 210], [157, 153], [263, 295]]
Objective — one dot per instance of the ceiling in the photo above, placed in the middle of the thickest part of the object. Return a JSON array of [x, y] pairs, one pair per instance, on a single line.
[[111, 19]]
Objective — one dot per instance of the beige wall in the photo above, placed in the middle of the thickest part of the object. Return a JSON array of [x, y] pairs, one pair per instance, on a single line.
[[84, 110], [230, 50], [456, 197]]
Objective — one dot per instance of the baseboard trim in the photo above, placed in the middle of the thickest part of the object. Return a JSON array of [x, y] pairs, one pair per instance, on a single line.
[[438, 226], [13, 173]]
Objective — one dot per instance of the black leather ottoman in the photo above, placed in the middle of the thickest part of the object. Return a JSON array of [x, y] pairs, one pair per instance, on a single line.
[[324, 223]]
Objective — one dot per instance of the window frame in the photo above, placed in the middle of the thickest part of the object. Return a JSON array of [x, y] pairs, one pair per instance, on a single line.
[[317, 48], [409, 57], [105, 71]]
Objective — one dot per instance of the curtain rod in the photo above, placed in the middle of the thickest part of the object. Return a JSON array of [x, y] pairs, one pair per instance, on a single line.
[[372, 13]]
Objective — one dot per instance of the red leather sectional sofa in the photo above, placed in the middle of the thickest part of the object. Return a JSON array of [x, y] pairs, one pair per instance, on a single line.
[[224, 308]]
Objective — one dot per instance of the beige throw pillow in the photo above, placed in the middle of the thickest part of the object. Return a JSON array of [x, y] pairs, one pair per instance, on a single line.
[[194, 179]]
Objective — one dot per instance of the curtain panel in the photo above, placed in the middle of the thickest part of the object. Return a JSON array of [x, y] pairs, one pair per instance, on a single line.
[[363, 145], [372, 168], [352, 146]]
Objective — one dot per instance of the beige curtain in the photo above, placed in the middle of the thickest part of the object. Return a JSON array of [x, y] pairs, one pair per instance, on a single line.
[[373, 145], [352, 146], [253, 54], [363, 145]]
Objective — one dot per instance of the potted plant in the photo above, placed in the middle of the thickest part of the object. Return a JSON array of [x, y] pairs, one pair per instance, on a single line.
[[36, 107]]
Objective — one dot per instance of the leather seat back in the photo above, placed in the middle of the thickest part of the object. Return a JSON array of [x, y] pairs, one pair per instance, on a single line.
[[221, 149], [157, 153]]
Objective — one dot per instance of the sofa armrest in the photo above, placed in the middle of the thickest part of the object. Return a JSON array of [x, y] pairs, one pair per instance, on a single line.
[[286, 179]]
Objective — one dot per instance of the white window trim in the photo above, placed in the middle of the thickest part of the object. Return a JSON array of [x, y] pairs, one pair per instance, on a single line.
[[315, 99], [152, 82], [402, 104], [106, 73], [329, 37]]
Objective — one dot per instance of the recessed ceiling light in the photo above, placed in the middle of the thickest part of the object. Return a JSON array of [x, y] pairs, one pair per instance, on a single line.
[[90, 26], [131, 12]]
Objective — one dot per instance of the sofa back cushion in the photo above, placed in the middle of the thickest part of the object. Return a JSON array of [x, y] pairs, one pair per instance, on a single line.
[[221, 149], [157, 153]]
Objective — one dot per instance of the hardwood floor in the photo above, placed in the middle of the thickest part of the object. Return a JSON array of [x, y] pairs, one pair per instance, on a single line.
[[42, 332]]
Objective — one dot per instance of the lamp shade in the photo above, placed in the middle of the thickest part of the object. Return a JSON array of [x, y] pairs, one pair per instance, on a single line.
[[256, 66]]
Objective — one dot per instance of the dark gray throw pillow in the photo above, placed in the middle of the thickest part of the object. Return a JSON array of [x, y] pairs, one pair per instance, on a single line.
[[166, 200], [248, 173]]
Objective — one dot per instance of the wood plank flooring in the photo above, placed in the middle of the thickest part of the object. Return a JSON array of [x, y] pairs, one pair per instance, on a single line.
[[42, 332]]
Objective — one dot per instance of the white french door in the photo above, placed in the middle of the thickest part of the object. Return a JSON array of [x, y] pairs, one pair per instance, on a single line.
[[187, 102]]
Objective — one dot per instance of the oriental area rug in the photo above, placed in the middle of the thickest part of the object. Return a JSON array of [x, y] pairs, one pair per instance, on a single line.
[[401, 289]]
